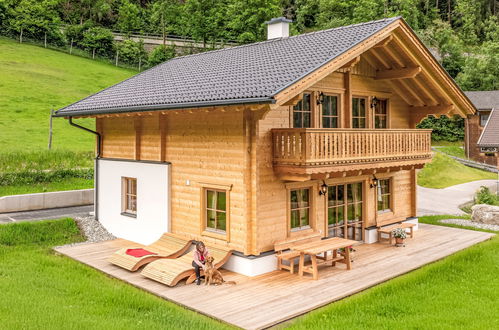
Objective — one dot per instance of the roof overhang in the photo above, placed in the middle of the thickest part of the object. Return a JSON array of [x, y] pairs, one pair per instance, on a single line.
[[406, 39], [159, 107]]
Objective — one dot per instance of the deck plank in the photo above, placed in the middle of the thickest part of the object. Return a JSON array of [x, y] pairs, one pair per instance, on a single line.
[[265, 300]]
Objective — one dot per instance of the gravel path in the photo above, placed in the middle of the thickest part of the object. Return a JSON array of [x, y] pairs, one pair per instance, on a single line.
[[469, 223], [93, 230]]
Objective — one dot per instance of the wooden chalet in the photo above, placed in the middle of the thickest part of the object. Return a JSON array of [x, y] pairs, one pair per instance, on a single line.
[[485, 102], [257, 144]]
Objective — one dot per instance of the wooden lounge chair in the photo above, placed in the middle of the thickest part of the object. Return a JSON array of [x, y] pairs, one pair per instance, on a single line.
[[171, 271], [168, 246]]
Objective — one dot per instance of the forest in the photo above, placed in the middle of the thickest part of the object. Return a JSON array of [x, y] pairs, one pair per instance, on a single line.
[[463, 33]]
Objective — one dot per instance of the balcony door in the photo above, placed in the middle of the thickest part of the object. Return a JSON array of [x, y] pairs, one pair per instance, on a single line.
[[344, 211]]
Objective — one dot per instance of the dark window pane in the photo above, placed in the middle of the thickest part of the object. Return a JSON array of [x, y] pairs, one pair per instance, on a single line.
[[331, 215], [210, 219], [362, 123], [306, 102], [221, 221], [334, 105], [297, 123], [298, 106], [304, 217], [303, 197], [221, 201], [355, 107], [362, 107], [334, 123], [341, 215], [295, 219], [211, 199], [306, 119], [341, 194]]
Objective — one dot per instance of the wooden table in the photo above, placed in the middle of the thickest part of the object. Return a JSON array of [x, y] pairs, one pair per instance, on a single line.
[[323, 246]]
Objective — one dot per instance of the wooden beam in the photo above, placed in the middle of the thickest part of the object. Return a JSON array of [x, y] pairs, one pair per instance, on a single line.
[[380, 58], [351, 64], [423, 88], [290, 177], [293, 101], [347, 102], [404, 73], [411, 90], [395, 57], [384, 42], [138, 133], [419, 113]]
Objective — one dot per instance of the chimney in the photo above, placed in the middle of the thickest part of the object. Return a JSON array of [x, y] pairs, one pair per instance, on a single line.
[[278, 28]]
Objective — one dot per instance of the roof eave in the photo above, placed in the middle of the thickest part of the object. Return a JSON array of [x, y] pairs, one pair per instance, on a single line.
[[158, 107]]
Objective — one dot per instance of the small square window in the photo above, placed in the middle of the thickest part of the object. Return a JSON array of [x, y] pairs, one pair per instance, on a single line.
[[216, 210], [384, 195]]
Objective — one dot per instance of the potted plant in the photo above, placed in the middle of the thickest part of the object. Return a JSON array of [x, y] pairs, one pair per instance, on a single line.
[[352, 252], [399, 234]]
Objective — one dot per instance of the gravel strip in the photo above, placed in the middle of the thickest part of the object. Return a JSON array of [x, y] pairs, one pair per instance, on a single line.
[[469, 223], [93, 230]]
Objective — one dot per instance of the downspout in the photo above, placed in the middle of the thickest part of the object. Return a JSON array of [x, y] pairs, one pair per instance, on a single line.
[[96, 174]]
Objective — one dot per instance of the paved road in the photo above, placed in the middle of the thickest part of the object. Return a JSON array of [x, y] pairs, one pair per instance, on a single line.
[[447, 200], [64, 212]]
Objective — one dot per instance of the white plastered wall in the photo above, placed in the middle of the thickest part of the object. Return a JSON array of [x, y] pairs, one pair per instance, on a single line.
[[153, 209]]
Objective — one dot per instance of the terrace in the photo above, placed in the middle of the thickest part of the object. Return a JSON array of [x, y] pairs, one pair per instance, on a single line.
[[269, 299]]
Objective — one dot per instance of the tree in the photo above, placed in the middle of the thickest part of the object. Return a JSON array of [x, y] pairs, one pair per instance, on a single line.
[[161, 54], [131, 52], [444, 128], [204, 20], [248, 17], [98, 40], [164, 14], [481, 71], [129, 19], [306, 14]]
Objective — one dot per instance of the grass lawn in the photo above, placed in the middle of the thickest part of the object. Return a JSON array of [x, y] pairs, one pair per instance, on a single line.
[[453, 151], [447, 143], [66, 184], [458, 292], [50, 291], [444, 172], [41, 290], [32, 81]]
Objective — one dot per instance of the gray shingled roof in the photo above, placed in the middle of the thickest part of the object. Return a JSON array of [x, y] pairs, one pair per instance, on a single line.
[[490, 134], [244, 74], [484, 100]]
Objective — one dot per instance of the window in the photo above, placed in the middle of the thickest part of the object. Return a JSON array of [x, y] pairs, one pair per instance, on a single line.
[[330, 112], [129, 196], [484, 117], [344, 204], [381, 114], [302, 112], [384, 195], [358, 112], [216, 210], [300, 208]]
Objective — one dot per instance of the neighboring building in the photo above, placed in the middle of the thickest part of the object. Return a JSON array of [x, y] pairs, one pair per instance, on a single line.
[[485, 102], [489, 140], [260, 143]]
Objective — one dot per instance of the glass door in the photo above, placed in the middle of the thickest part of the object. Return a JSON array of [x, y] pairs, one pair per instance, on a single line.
[[344, 211]]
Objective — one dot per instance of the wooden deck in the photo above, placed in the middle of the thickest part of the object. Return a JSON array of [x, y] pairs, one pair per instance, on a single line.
[[263, 301]]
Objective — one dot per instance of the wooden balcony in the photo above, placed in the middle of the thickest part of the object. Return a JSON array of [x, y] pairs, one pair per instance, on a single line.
[[311, 151]]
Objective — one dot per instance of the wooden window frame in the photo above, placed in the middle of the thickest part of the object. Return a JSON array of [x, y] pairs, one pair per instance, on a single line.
[[367, 115], [338, 110], [124, 197], [312, 220], [480, 115], [204, 229], [312, 110], [390, 210], [387, 100]]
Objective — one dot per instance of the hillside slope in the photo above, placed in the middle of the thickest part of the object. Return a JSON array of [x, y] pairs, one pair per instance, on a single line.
[[32, 81]]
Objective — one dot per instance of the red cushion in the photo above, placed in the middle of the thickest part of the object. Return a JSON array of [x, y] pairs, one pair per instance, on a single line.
[[138, 253]]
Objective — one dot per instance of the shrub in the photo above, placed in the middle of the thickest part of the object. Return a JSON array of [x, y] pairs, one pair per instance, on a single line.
[[131, 52], [34, 177], [484, 196], [98, 41], [161, 54], [444, 128]]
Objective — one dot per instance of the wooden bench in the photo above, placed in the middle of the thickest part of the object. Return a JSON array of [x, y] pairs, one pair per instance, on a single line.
[[389, 230], [281, 248]]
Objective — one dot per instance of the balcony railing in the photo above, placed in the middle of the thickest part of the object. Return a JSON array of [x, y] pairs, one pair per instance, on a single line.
[[320, 147]]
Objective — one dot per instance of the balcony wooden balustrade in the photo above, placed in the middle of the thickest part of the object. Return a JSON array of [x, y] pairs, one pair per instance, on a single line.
[[309, 150]]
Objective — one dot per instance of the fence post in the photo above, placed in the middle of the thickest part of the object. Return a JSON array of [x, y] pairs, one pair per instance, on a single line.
[[50, 128], [117, 54]]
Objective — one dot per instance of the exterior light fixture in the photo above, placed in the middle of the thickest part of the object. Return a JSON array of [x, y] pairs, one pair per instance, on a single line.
[[320, 98], [323, 188], [374, 182], [374, 102]]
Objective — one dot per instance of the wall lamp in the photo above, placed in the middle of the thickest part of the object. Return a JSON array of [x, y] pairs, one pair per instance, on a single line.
[[323, 188], [320, 98], [374, 182], [374, 102]]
